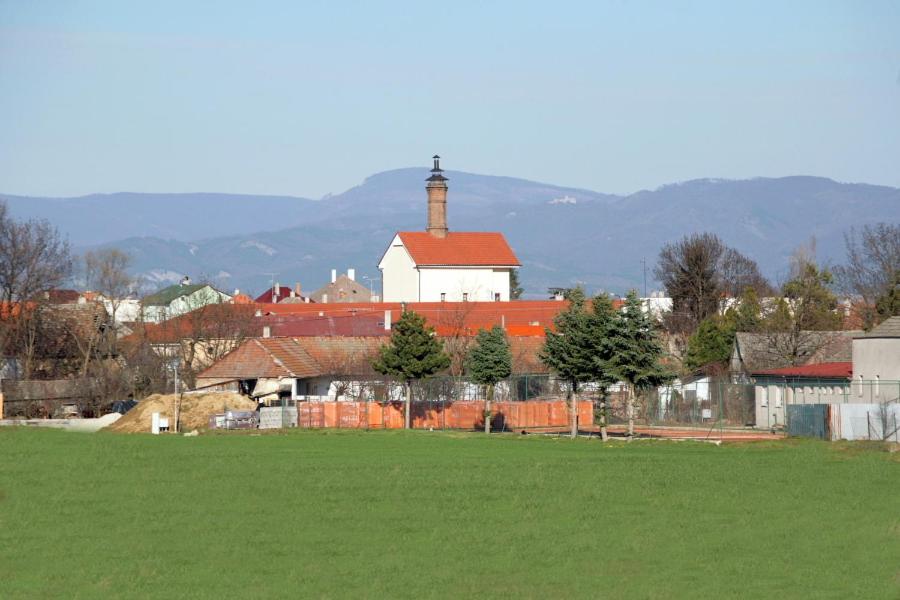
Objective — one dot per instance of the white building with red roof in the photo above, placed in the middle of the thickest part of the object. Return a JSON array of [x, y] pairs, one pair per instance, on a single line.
[[438, 265]]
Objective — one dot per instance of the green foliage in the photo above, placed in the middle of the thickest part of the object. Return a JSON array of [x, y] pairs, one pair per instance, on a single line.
[[490, 360], [515, 289], [604, 322], [811, 302], [747, 315], [710, 345], [636, 352], [567, 351], [413, 352]]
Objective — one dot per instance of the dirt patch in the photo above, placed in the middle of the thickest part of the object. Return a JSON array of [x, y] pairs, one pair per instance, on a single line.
[[195, 410]]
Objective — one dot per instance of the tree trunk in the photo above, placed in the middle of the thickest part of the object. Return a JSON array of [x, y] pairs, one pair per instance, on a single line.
[[408, 405], [487, 408], [573, 406], [603, 435], [630, 411]]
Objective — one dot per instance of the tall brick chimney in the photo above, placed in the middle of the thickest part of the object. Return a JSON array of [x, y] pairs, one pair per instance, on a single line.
[[437, 201]]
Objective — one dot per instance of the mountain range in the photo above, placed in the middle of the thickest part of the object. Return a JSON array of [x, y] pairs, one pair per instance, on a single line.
[[563, 236]]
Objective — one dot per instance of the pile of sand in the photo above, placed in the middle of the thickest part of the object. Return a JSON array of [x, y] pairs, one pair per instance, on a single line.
[[195, 410]]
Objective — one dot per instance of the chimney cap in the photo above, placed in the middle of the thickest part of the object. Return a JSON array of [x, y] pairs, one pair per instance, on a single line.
[[436, 172]]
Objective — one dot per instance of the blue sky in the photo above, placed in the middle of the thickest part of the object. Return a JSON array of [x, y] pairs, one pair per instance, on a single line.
[[307, 98]]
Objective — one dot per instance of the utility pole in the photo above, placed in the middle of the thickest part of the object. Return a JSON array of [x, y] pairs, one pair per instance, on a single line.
[[644, 266]]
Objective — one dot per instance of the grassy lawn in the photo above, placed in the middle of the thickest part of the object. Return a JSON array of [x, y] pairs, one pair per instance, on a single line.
[[388, 514]]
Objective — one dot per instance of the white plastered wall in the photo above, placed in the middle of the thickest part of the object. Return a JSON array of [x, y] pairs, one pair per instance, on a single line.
[[400, 279]]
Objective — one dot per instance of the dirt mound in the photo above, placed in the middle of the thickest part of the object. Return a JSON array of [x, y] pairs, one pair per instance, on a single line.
[[195, 410]]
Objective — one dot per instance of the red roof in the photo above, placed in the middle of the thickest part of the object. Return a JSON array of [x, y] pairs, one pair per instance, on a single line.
[[839, 370], [459, 248], [521, 317], [266, 296]]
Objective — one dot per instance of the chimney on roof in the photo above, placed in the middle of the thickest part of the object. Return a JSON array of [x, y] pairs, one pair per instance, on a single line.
[[351, 274], [437, 201]]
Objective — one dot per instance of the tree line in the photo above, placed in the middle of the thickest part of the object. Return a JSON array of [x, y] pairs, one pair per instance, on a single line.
[[591, 343], [716, 292]]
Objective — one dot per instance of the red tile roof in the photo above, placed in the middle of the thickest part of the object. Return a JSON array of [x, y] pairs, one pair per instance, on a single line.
[[841, 370], [459, 248], [264, 358], [295, 358], [521, 318], [304, 325], [266, 296], [216, 320]]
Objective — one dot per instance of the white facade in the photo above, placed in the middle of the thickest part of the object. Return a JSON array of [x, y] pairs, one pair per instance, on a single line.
[[405, 281], [184, 304]]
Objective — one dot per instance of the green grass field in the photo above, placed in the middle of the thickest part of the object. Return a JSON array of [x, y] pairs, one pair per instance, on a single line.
[[394, 514]]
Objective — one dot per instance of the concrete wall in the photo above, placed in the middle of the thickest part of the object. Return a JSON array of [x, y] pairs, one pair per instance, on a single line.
[[400, 279], [276, 417], [865, 422], [877, 359], [771, 397]]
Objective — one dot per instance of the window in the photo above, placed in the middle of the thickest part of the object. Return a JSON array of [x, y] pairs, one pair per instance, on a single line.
[[860, 386], [877, 381], [496, 296], [443, 297], [465, 296], [764, 396], [777, 397]]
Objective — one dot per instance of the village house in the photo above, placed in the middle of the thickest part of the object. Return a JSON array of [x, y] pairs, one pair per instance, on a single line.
[[343, 288], [321, 368], [823, 383], [853, 368], [179, 299], [757, 352], [438, 265], [280, 293]]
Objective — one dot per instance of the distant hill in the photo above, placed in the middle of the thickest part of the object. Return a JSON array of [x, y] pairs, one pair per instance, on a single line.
[[562, 235]]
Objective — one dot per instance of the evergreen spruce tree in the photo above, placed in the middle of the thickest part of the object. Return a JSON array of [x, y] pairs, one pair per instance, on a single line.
[[515, 289], [710, 345], [567, 351], [636, 353], [412, 354], [602, 323], [489, 362]]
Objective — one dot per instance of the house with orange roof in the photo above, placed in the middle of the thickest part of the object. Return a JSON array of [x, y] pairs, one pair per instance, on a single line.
[[438, 265]]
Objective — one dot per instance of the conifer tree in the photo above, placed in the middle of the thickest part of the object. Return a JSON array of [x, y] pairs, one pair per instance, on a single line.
[[603, 322], [489, 362], [567, 351], [515, 288], [412, 354], [710, 345], [636, 353]]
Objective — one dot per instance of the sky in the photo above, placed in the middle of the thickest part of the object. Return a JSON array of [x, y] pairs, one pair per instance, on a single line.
[[309, 98]]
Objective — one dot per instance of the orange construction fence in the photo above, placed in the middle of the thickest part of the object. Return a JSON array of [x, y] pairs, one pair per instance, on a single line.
[[436, 415]]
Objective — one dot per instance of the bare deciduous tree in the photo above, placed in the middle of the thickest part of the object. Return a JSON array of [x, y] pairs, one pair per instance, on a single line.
[[34, 258], [872, 267], [106, 272], [696, 271]]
